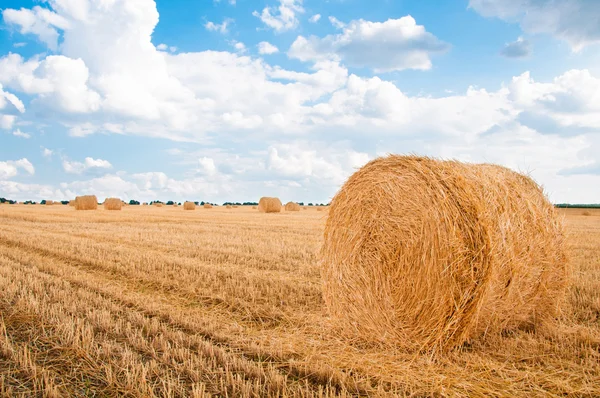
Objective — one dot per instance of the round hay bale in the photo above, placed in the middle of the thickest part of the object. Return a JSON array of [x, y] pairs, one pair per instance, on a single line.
[[207, 206], [189, 206], [305, 208], [425, 254], [292, 206], [254, 207], [49, 203], [228, 206], [113, 204], [319, 209], [235, 206], [158, 204], [86, 202], [72, 202], [269, 205]]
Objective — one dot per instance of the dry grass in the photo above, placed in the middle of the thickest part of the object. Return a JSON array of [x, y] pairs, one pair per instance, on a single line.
[[162, 302], [88, 202], [427, 254], [113, 204]]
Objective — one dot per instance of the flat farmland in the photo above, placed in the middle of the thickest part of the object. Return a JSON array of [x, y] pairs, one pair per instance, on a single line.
[[164, 302]]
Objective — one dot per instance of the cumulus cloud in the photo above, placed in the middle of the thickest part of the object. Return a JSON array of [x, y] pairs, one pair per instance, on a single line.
[[315, 18], [10, 168], [39, 21], [265, 47], [47, 153], [74, 167], [282, 18], [223, 27], [516, 49], [395, 44], [19, 133], [575, 21]]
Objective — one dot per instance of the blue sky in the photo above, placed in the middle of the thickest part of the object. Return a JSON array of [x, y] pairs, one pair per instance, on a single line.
[[232, 100]]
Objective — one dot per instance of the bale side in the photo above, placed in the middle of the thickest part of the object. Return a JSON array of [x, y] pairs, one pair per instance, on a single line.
[[86, 202], [426, 254], [292, 206], [207, 206], [113, 204], [189, 206], [269, 205], [49, 203]]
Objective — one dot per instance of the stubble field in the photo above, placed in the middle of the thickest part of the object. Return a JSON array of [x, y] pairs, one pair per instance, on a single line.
[[165, 302]]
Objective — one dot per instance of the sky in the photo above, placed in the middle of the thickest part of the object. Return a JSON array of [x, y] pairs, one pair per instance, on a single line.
[[231, 100]]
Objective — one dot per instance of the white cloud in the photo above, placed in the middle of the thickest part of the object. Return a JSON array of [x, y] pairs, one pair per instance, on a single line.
[[10, 168], [315, 18], [221, 28], [266, 48], [7, 121], [162, 47], [284, 17], [19, 133], [395, 44], [207, 166], [575, 21], [239, 46], [517, 49], [47, 153], [38, 21], [73, 167], [19, 44], [7, 99], [336, 22]]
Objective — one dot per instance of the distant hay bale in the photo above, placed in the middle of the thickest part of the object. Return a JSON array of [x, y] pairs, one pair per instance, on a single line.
[[113, 204], [49, 203], [86, 202], [586, 213], [319, 209], [305, 208], [158, 204], [72, 202], [207, 206], [228, 206], [189, 206], [235, 206], [254, 207], [425, 254], [269, 205], [292, 206]]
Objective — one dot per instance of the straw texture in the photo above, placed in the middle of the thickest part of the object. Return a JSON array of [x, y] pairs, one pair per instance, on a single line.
[[189, 206], [113, 204], [292, 206], [87, 202], [269, 205], [426, 254]]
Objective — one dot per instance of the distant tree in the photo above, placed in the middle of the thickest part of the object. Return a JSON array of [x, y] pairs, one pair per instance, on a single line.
[[310, 204], [170, 203], [134, 202], [301, 203], [64, 202], [43, 202]]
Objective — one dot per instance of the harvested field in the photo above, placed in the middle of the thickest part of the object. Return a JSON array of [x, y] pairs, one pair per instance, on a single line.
[[163, 302]]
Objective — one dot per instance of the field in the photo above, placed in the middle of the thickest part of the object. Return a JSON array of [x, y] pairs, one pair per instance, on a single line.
[[165, 302]]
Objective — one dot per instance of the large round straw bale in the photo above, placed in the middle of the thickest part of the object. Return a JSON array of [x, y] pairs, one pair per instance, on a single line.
[[426, 254], [112, 204], [292, 206], [189, 206], [86, 202], [228, 206], [269, 205], [49, 203], [207, 206]]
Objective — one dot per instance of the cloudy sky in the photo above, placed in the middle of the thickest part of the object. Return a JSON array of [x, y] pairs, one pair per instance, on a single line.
[[229, 100]]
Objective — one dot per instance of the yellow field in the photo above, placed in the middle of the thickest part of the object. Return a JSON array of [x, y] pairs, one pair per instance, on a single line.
[[154, 301]]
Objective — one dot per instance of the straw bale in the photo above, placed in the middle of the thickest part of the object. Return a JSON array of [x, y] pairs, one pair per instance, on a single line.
[[319, 209], [425, 254], [86, 202], [72, 202], [269, 205], [189, 206], [207, 206], [113, 204], [49, 203], [158, 204], [292, 206], [228, 206], [254, 207]]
